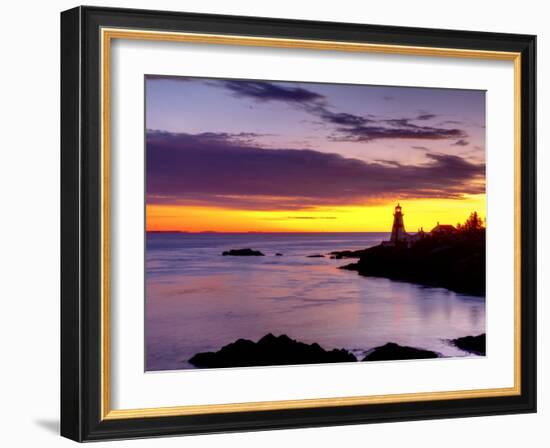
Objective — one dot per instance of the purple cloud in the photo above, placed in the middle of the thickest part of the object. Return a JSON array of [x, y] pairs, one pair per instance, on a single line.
[[357, 128], [425, 117], [268, 91], [345, 127], [338, 118], [397, 129], [461, 142], [350, 127], [199, 170]]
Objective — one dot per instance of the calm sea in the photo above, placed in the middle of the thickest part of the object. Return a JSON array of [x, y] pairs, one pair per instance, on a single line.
[[198, 300]]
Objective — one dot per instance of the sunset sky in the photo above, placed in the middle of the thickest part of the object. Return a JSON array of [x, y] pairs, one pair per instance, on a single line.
[[241, 155]]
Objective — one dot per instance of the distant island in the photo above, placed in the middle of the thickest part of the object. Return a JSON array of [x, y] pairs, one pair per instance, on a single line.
[[448, 256], [243, 253]]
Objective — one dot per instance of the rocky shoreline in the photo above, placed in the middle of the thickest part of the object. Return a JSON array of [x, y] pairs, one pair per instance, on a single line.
[[394, 352], [455, 262], [273, 350], [471, 344], [452, 261], [268, 351]]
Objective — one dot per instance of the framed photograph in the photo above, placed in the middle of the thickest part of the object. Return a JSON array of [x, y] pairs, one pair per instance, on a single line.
[[275, 224]]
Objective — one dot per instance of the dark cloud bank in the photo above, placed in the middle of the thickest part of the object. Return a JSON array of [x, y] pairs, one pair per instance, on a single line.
[[220, 170]]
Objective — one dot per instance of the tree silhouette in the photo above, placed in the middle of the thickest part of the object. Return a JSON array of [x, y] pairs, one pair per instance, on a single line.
[[473, 224]]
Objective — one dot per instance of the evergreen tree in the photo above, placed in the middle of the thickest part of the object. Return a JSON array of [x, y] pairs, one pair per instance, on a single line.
[[473, 224]]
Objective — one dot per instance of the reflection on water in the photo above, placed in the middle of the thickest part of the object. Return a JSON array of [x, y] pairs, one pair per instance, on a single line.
[[198, 300]]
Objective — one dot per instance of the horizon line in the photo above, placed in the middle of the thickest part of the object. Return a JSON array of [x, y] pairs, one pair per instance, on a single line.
[[254, 231]]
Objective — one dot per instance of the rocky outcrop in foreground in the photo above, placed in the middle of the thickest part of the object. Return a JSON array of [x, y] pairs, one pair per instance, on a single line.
[[281, 350], [392, 352], [268, 351], [243, 253], [471, 344]]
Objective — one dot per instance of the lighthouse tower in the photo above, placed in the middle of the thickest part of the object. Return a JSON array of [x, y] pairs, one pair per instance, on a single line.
[[398, 230]]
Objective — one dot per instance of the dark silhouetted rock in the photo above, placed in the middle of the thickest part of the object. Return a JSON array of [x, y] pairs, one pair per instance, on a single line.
[[278, 254], [243, 253], [393, 352], [339, 254], [268, 351], [455, 262], [471, 344], [316, 256]]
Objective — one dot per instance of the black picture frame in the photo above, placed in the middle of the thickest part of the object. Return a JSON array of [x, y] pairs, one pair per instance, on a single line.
[[81, 224]]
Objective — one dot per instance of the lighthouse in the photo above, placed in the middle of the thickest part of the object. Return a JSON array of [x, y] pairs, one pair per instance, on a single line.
[[398, 229], [398, 234]]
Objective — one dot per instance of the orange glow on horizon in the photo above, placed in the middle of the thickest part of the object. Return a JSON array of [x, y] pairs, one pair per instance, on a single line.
[[369, 218]]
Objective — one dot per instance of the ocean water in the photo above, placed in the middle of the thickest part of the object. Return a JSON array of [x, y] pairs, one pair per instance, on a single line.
[[198, 300]]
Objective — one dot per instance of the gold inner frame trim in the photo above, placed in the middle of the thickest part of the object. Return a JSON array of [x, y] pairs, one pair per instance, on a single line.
[[107, 35]]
